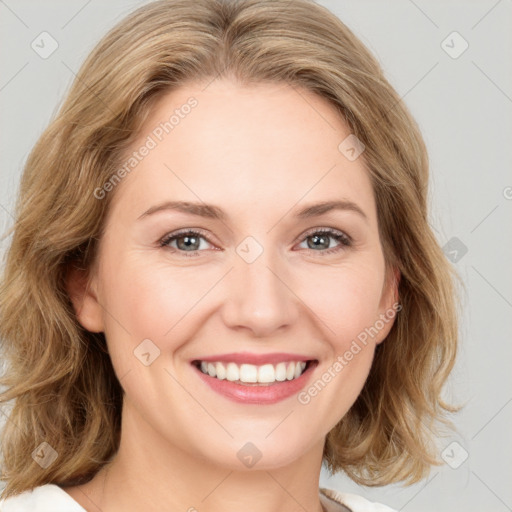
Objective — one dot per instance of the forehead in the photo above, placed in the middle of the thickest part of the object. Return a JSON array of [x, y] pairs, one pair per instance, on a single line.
[[258, 147]]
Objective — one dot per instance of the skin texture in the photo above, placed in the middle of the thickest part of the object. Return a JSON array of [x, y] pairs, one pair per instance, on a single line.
[[260, 153]]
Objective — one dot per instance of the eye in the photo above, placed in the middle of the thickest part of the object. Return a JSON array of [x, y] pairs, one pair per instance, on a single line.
[[319, 241], [186, 241]]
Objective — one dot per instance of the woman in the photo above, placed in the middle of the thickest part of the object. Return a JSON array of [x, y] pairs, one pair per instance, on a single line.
[[222, 273]]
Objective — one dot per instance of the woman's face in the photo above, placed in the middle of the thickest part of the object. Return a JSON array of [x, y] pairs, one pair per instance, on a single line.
[[268, 273]]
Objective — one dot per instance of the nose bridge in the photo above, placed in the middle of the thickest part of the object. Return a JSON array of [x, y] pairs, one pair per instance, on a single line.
[[257, 296]]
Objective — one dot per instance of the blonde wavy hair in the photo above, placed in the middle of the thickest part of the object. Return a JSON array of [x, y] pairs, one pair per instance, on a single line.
[[59, 376]]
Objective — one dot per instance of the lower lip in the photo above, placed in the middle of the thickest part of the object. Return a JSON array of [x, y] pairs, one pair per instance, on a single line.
[[264, 394]]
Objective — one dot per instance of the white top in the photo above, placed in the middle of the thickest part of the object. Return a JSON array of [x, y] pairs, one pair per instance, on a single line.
[[51, 498]]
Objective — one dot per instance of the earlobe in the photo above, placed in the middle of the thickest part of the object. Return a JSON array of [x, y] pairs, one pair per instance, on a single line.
[[390, 294], [81, 289], [389, 304]]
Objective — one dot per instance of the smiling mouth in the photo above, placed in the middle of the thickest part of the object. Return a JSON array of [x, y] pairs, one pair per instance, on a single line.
[[255, 375]]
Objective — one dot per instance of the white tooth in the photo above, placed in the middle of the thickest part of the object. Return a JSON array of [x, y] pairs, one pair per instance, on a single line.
[[266, 373], [290, 371], [248, 373], [280, 372], [211, 370], [220, 369], [232, 373]]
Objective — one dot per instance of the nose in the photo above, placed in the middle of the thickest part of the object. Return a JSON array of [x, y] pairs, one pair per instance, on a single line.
[[259, 296]]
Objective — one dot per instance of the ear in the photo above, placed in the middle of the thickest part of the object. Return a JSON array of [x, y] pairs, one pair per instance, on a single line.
[[389, 305], [81, 289]]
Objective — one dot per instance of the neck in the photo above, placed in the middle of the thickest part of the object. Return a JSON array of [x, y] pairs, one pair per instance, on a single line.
[[155, 475]]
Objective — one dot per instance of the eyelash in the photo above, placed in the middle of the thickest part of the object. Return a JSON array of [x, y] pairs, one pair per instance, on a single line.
[[345, 240]]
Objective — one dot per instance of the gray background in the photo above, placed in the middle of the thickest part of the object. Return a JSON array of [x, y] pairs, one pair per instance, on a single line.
[[463, 106]]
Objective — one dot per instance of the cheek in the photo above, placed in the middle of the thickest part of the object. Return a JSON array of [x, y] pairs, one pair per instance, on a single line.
[[152, 300], [347, 305], [346, 299], [152, 297], [138, 305]]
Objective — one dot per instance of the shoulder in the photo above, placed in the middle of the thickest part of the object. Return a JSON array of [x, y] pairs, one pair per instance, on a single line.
[[336, 501], [45, 498]]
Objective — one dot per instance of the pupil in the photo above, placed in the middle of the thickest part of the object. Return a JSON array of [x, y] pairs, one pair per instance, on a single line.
[[189, 242], [322, 239]]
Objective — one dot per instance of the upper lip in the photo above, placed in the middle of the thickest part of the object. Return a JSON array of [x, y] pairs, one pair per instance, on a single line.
[[255, 359]]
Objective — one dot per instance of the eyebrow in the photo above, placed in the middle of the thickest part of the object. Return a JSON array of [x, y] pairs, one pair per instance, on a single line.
[[214, 212]]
